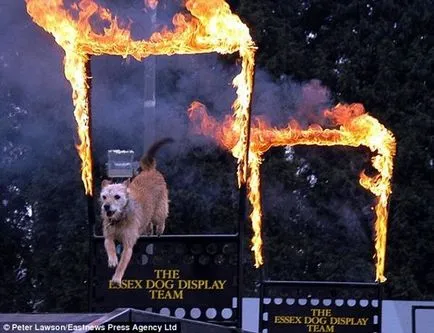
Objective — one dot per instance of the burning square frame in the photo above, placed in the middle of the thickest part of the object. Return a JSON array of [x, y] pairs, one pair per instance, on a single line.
[[205, 29]]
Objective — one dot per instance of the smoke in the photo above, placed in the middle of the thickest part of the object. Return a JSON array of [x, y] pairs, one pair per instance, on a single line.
[[31, 84], [31, 73], [32, 81], [208, 79]]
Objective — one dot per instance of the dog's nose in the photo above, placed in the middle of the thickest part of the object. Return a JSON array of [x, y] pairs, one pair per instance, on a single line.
[[107, 208]]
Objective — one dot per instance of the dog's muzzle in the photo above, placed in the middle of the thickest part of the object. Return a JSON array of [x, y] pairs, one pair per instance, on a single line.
[[110, 213], [107, 210]]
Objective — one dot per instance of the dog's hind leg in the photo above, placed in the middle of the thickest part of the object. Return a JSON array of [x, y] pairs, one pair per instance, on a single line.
[[160, 215], [149, 229]]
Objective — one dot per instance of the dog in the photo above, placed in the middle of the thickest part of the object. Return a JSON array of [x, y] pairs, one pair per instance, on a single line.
[[133, 208]]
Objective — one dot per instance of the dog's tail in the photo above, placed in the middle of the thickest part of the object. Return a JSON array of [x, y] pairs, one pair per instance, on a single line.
[[148, 160]]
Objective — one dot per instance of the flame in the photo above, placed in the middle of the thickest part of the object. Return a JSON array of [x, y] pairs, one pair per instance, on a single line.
[[152, 4], [210, 26], [254, 195], [355, 128]]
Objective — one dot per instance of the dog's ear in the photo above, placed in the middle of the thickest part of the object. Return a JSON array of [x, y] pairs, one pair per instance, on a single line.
[[127, 182], [105, 183]]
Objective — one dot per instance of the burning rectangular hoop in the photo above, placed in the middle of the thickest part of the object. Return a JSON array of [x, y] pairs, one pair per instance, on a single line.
[[206, 29], [355, 128]]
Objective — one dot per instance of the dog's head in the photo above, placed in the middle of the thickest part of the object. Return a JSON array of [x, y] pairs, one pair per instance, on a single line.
[[114, 199]]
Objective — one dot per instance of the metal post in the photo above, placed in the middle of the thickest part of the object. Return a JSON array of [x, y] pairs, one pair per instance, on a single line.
[[413, 319], [242, 218], [90, 202], [380, 305], [149, 102], [262, 278], [261, 298], [243, 215]]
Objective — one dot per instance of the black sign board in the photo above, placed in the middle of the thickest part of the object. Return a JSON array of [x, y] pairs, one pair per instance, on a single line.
[[183, 276], [304, 307]]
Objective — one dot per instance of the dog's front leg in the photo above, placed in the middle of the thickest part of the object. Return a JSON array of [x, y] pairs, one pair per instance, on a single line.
[[110, 248], [123, 263]]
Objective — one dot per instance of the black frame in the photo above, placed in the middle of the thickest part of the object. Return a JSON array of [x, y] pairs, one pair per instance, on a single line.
[[413, 314], [167, 246], [267, 285], [242, 213]]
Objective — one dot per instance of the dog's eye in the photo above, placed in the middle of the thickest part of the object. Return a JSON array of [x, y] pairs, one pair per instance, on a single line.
[[117, 197], [104, 197]]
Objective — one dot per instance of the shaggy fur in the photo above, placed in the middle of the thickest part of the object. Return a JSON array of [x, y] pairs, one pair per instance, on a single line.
[[132, 209]]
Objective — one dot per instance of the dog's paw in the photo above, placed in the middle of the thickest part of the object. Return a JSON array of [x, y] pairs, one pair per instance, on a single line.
[[113, 261], [149, 230], [116, 280], [159, 230]]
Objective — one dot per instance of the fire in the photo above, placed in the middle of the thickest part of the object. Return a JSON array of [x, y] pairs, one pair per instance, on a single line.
[[210, 26], [354, 128]]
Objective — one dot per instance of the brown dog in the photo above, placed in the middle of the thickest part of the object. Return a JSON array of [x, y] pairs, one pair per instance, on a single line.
[[133, 208]]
